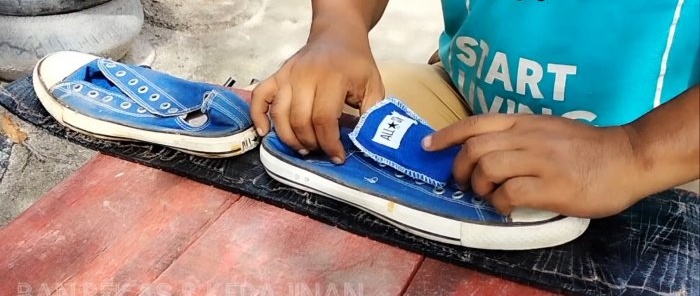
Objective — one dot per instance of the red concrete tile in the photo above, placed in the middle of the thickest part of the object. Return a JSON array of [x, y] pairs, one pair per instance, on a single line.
[[111, 222], [257, 249]]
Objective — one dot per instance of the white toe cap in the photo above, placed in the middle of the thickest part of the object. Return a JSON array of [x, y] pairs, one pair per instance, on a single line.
[[531, 215], [55, 67]]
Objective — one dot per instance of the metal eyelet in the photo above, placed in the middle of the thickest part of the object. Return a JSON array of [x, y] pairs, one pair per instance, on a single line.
[[120, 73], [172, 110], [143, 89], [110, 65], [141, 110], [133, 81], [154, 97], [125, 105], [93, 94], [107, 98], [439, 190], [381, 165], [399, 175], [165, 106], [418, 182], [77, 87], [457, 195]]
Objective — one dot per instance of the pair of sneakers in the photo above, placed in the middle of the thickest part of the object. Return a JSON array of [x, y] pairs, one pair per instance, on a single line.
[[384, 173]]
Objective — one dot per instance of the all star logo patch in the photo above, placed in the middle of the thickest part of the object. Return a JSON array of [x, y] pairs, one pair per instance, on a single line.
[[392, 129]]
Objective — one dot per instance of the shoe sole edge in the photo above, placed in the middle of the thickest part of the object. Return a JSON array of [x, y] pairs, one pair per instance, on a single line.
[[473, 235]]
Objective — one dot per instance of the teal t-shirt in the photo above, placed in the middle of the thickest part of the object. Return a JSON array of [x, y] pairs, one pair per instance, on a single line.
[[603, 62]]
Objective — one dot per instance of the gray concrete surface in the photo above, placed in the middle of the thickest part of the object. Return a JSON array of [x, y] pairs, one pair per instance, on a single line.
[[210, 40], [274, 30], [35, 168]]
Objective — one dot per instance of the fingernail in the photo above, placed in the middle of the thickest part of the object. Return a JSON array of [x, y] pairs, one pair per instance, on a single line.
[[336, 160], [427, 141], [464, 187], [259, 131], [304, 152]]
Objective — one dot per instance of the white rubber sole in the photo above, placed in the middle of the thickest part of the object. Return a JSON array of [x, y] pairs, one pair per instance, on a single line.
[[202, 146], [518, 236]]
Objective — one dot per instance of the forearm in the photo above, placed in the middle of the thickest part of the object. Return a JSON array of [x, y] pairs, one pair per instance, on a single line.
[[666, 142], [351, 18]]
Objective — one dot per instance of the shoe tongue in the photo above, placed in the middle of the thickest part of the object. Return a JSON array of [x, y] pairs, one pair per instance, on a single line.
[[159, 93], [391, 134]]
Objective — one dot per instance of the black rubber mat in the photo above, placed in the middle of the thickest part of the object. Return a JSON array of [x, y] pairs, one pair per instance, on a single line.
[[652, 248], [5, 150]]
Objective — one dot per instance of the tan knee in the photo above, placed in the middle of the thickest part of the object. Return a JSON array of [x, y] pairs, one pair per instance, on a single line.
[[426, 89]]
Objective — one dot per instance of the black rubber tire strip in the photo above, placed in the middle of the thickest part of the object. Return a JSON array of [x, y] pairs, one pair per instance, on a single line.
[[44, 7], [105, 30]]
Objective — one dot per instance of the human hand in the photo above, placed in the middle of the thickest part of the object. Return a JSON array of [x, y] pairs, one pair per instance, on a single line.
[[544, 162], [305, 97]]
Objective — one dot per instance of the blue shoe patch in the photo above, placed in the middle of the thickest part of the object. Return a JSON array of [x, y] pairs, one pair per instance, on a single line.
[[391, 134]]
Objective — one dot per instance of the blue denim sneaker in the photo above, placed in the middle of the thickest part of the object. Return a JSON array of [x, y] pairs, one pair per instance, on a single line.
[[111, 100], [417, 202]]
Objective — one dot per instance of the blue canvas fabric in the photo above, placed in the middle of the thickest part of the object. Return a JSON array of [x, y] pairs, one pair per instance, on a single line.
[[146, 99], [390, 133], [363, 172]]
